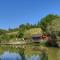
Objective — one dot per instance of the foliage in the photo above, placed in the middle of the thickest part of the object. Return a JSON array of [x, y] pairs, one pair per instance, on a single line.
[[20, 35], [2, 31], [54, 28], [4, 38], [12, 36], [48, 24], [47, 21]]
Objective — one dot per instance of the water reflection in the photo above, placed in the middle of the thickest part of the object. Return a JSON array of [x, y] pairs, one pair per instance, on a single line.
[[54, 53], [34, 57], [10, 56], [16, 56], [27, 53]]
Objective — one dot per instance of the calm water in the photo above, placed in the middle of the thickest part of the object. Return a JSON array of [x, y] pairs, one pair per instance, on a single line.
[[29, 52], [53, 53], [12, 52]]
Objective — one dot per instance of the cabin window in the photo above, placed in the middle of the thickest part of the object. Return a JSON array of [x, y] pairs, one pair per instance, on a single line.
[[36, 38]]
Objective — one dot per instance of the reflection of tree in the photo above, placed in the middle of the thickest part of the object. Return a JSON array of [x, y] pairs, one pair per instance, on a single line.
[[44, 55], [12, 49], [21, 52]]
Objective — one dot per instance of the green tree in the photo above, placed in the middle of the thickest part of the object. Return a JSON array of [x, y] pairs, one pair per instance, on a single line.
[[2, 31], [54, 29], [12, 36], [20, 35], [4, 38], [46, 21], [22, 26]]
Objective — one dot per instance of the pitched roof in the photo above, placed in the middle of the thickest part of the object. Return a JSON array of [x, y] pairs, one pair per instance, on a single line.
[[33, 32]]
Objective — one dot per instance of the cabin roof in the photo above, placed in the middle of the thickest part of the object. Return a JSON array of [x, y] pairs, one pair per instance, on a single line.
[[33, 32]]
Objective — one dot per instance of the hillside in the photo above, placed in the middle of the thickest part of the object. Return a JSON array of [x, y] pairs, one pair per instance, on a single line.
[[43, 26]]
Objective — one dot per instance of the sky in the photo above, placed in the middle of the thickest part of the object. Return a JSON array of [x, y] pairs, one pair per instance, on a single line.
[[16, 12]]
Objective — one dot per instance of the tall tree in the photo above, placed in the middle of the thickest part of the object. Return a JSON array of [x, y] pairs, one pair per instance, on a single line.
[[47, 20], [54, 29]]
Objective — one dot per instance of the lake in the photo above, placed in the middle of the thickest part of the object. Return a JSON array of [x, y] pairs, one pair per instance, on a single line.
[[28, 52], [53, 53]]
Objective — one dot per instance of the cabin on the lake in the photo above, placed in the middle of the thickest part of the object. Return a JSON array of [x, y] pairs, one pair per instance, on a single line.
[[34, 35]]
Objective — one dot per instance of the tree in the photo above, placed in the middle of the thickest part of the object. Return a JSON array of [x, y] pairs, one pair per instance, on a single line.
[[50, 26], [12, 36], [2, 31], [54, 29], [22, 26], [46, 21], [54, 26], [20, 35], [4, 38]]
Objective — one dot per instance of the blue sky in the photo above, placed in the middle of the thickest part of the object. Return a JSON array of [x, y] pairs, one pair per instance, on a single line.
[[15, 12]]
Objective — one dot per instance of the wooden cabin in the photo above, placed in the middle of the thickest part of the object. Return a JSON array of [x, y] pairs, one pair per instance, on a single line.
[[33, 35]]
